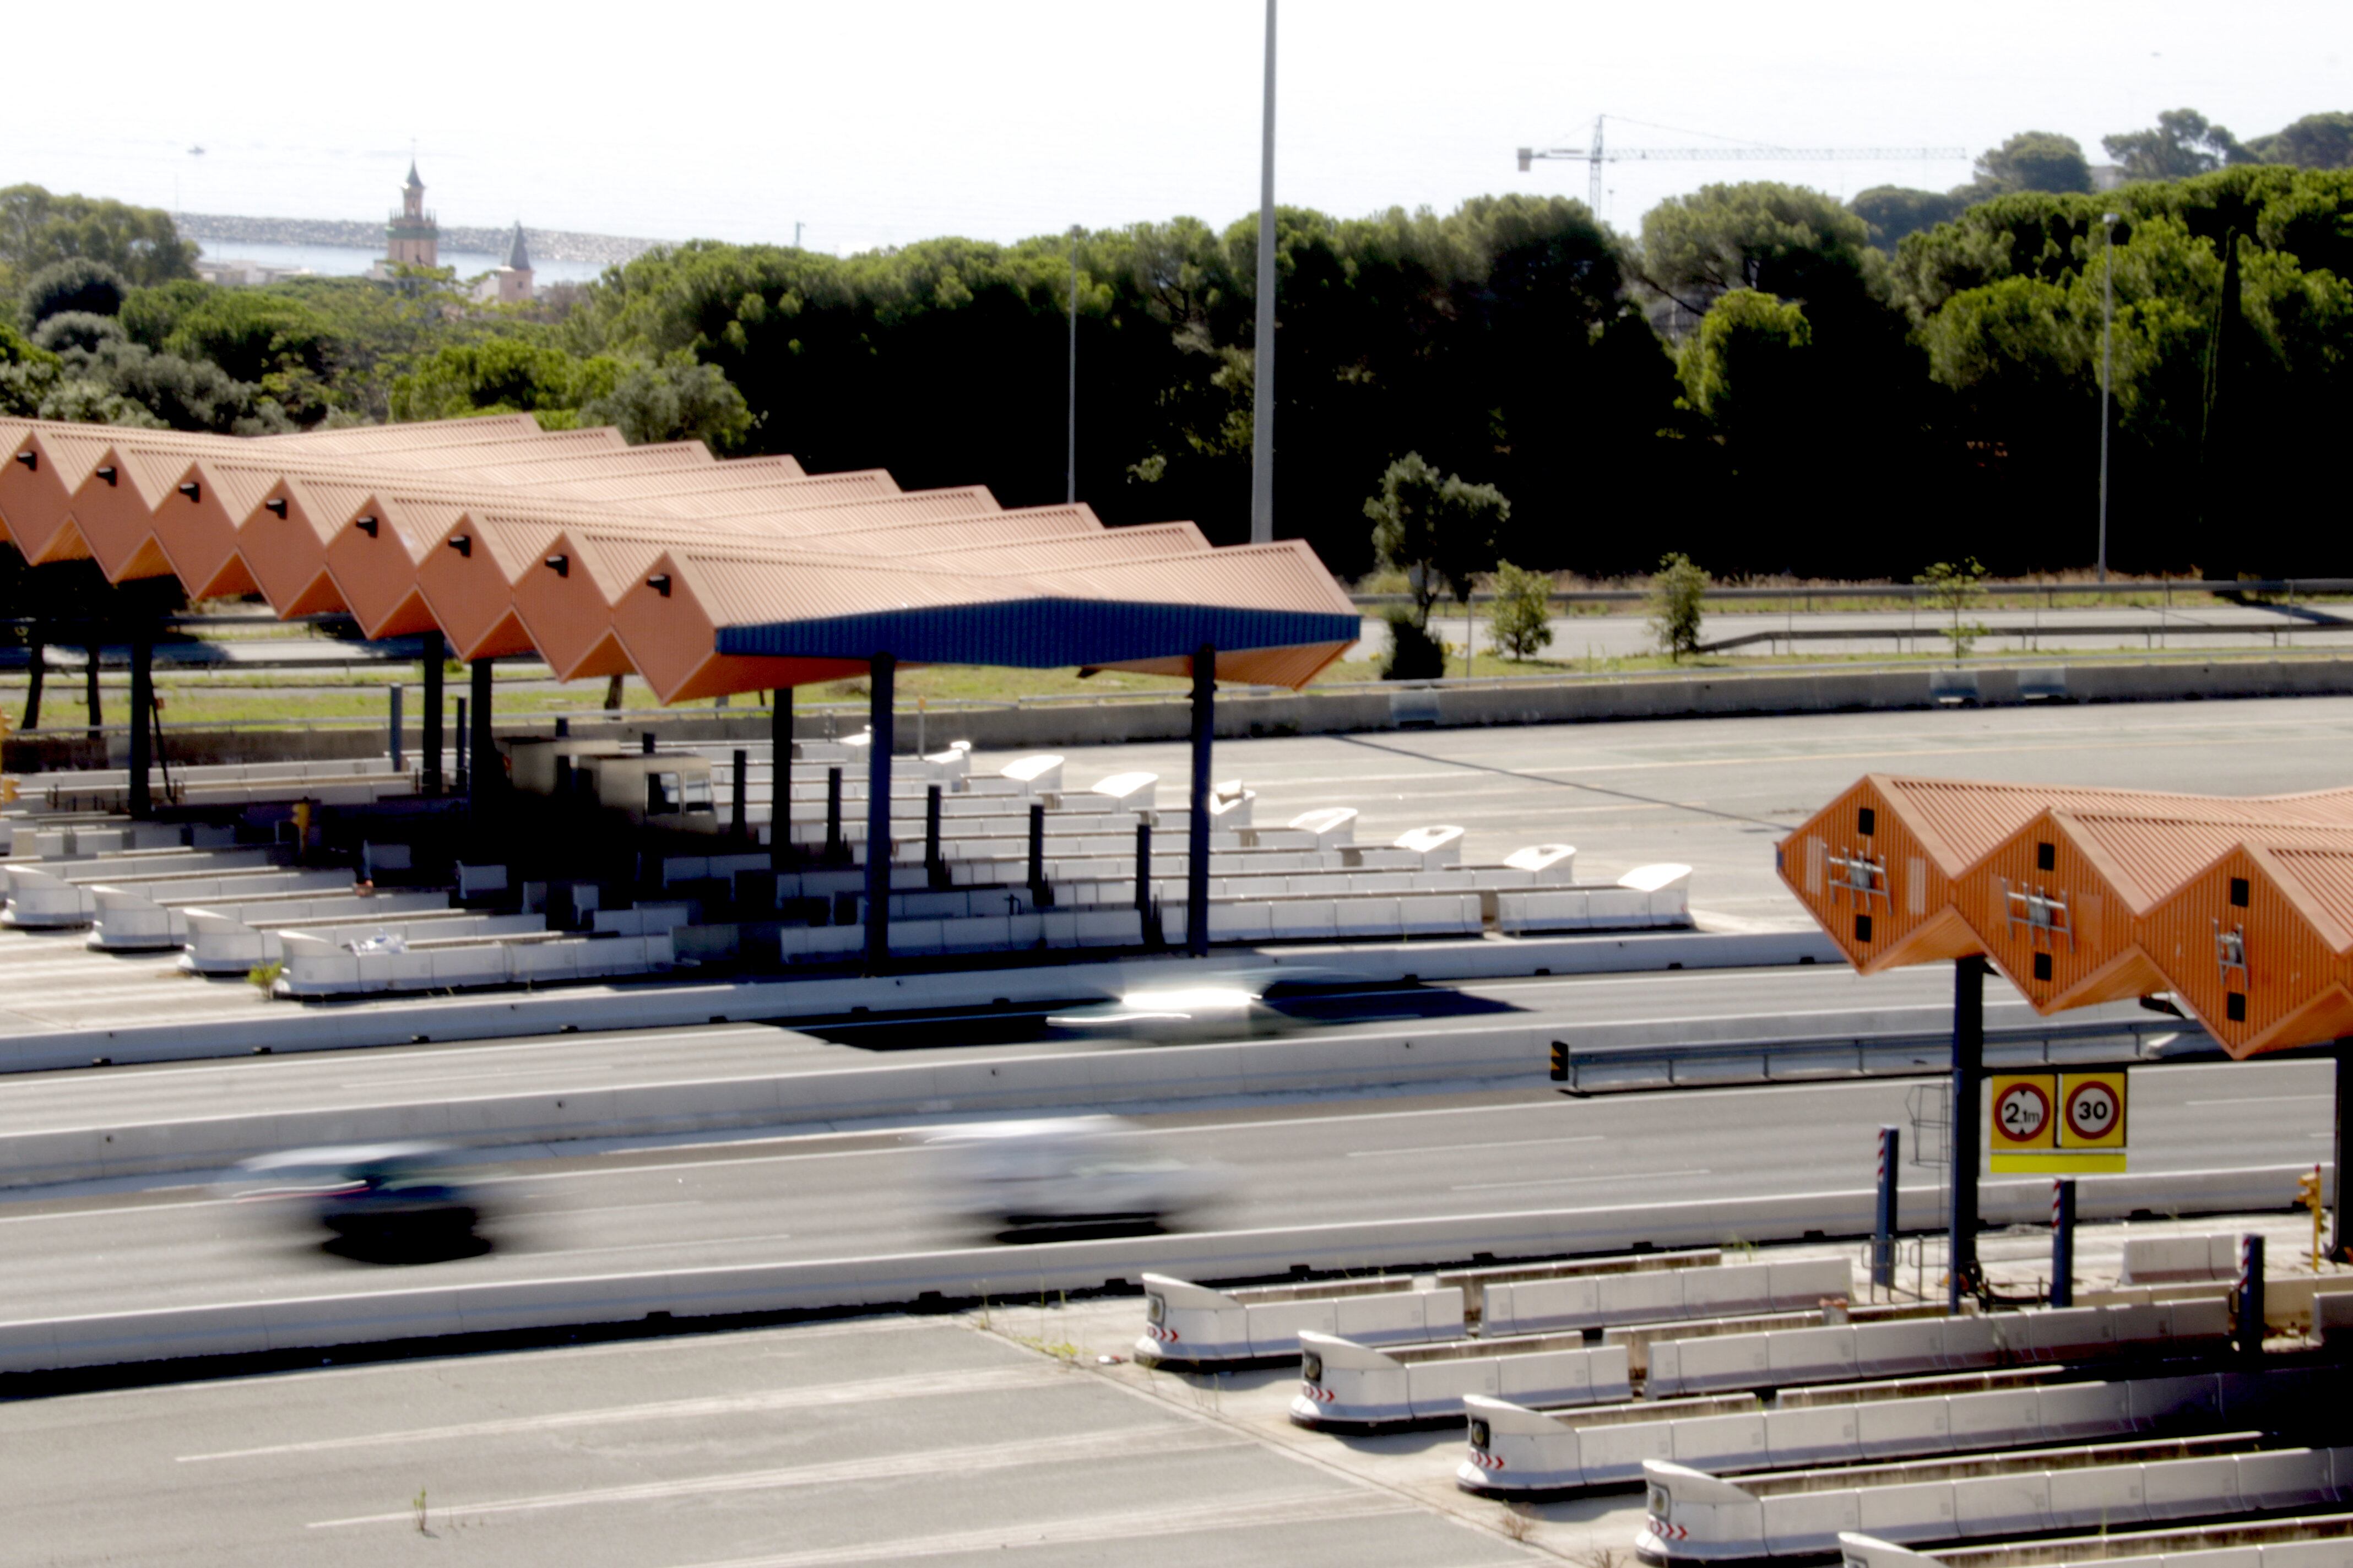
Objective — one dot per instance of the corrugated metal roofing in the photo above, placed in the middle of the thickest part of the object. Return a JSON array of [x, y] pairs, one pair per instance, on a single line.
[[2240, 907], [782, 575]]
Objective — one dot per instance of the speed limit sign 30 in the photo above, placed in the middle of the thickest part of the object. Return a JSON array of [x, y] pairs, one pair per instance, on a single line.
[[2065, 1123]]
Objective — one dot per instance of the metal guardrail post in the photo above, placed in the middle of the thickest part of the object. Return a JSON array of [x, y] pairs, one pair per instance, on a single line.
[[1885, 1218]]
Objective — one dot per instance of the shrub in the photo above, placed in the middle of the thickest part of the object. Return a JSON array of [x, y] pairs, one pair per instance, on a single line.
[[75, 329], [1677, 587], [1522, 616]]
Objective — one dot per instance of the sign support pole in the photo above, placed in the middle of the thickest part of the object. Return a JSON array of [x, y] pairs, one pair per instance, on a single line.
[[1968, 1080]]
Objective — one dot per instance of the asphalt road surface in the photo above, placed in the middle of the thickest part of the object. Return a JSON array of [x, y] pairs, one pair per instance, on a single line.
[[846, 1195], [880, 1442], [407, 1073], [1718, 794]]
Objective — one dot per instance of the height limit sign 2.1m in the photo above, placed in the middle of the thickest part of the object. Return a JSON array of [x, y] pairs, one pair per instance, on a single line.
[[2066, 1124]]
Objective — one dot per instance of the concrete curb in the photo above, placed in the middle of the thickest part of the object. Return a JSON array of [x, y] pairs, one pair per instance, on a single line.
[[593, 1009], [252, 1328]]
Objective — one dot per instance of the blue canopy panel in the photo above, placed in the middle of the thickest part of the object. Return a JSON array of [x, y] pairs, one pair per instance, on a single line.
[[1040, 634]]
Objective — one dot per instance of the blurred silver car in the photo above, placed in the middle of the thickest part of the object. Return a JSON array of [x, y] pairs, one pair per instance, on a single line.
[[374, 1195], [1067, 1173]]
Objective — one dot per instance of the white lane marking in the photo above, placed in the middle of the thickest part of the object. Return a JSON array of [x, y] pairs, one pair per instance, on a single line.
[[657, 1246], [1577, 1181], [1004, 1456], [118, 1213], [1464, 1148], [1300, 1507], [700, 1165], [2312, 1100], [921, 1385]]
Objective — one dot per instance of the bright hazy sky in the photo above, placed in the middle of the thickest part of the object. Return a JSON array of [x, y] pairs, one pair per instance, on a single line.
[[884, 123]]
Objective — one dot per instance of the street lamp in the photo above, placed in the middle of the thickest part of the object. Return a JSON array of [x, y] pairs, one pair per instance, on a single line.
[[2107, 365], [1262, 367], [1071, 485]]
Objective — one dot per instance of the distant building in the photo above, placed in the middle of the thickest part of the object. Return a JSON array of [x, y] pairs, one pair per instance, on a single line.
[[244, 274], [412, 238], [510, 284], [2108, 176]]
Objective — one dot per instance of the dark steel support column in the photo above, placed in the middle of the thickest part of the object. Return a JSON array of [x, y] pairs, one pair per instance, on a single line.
[[1969, 1084], [935, 866], [1196, 867], [739, 799], [2336, 1153], [90, 697], [1042, 896], [2250, 1297], [2062, 1242], [1884, 1225], [484, 763], [394, 723], [143, 709], [780, 777], [883, 669], [34, 673], [833, 848], [434, 655], [465, 753], [1145, 921]]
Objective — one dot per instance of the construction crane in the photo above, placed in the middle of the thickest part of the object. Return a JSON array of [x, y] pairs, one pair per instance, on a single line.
[[1597, 155]]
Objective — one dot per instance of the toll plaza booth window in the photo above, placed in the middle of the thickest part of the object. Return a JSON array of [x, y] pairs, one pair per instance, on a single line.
[[664, 795], [696, 794]]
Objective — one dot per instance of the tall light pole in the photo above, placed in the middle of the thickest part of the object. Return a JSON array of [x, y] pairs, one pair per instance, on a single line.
[[2108, 365], [1070, 487], [1262, 370]]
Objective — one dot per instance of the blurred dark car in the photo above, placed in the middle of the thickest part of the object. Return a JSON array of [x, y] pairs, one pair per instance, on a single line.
[[372, 1196]]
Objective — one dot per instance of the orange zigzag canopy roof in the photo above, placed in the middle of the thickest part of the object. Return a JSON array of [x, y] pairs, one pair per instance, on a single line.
[[736, 576], [2240, 908]]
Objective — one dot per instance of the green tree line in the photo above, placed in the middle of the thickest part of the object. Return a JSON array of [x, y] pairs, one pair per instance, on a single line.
[[1763, 379]]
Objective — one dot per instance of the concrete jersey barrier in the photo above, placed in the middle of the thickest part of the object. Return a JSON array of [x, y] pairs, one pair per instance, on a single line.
[[1190, 1324], [1849, 1351], [1539, 1306], [1696, 1518], [1515, 1450], [1344, 1386]]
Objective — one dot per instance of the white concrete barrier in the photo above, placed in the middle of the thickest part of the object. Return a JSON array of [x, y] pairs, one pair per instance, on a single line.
[[1696, 1518], [2167, 1259], [1516, 1450], [1347, 1385], [1953, 1344], [1539, 1306]]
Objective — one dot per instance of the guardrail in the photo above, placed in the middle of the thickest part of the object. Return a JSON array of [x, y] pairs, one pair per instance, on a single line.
[[1717, 1064], [2287, 587]]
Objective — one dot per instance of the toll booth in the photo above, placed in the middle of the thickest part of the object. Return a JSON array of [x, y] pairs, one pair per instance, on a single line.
[[665, 790]]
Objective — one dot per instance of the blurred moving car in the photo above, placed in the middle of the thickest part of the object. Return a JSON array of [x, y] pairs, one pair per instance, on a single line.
[[377, 1195], [1026, 1178], [1250, 1001]]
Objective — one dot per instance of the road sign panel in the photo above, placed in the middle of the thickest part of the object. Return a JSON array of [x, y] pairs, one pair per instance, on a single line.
[[2092, 1111], [2023, 1105]]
